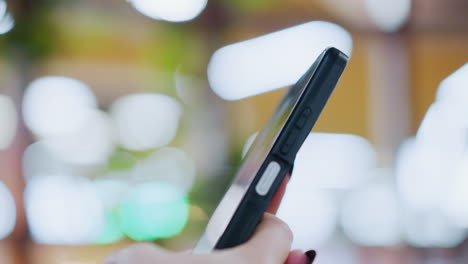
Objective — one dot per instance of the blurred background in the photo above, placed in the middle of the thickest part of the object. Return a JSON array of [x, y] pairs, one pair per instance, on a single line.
[[124, 121]]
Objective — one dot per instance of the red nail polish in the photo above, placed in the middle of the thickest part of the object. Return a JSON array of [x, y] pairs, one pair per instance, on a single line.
[[311, 254]]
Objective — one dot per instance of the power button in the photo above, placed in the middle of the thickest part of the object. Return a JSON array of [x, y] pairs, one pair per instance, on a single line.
[[268, 177]]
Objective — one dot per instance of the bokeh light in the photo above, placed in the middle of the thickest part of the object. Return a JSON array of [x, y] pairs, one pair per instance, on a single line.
[[63, 209], [7, 212], [56, 104], [146, 121], [111, 192], [388, 15], [7, 22], [92, 142], [172, 11], [371, 215], [153, 210], [272, 61], [423, 175], [338, 161], [8, 121], [3, 8], [111, 232], [453, 88], [338, 252], [431, 229], [455, 205], [38, 161], [445, 125], [311, 214], [170, 165], [431, 170], [444, 129]]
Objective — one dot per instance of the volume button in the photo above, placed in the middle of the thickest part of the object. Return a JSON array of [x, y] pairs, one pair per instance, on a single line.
[[303, 117], [289, 142]]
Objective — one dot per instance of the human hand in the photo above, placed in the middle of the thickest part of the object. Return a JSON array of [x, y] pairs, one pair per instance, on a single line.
[[271, 243]]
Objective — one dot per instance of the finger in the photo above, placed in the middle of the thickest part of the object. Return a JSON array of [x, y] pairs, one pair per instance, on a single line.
[[270, 243], [275, 202], [145, 253], [296, 257], [142, 253]]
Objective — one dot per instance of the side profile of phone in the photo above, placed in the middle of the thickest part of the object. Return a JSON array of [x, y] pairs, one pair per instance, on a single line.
[[272, 155]]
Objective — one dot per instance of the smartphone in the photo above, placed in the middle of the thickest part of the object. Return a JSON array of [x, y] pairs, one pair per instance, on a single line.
[[272, 154]]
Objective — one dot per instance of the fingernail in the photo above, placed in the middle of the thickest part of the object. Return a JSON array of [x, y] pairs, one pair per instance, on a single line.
[[311, 254]]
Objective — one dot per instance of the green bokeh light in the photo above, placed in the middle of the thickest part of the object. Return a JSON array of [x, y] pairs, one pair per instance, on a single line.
[[121, 161], [152, 211], [111, 232]]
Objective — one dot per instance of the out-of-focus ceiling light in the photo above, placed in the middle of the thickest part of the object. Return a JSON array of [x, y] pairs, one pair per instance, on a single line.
[[456, 199], [422, 175], [63, 210], [111, 232], [453, 90], [90, 143], [445, 125], [172, 11], [324, 216], [371, 217], [339, 250], [167, 165], [38, 160], [111, 192], [272, 61], [3, 8], [388, 15], [8, 121], [7, 212], [431, 229], [153, 210], [146, 121], [56, 104], [7, 22], [337, 161], [444, 128], [431, 170]]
